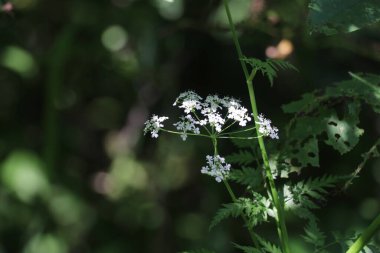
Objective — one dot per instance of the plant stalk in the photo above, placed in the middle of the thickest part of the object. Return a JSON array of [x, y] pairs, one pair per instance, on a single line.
[[234, 199], [365, 236], [280, 219]]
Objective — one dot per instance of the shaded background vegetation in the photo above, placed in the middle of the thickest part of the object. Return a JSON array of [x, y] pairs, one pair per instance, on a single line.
[[78, 79]]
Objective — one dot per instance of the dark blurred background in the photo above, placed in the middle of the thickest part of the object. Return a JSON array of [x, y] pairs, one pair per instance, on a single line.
[[78, 79]]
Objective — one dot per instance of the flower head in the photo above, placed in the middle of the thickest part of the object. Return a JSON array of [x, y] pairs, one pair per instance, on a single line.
[[213, 111], [216, 167], [266, 127], [187, 124], [189, 101], [153, 125]]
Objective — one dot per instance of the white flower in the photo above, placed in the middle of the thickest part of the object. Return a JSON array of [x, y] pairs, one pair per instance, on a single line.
[[213, 102], [215, 120], [216, 167], [188, 124], [189, 101], [213, 112], [265, 127], [238, 113], [153, 125]]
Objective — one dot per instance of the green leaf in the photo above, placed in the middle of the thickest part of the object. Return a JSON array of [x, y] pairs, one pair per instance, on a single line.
[[247, 249], [248, 176], [314, 235], [269, 67], [227, 211], [343, 135], [243, 157], [342, 16], [364, 87], [299, 105], [300, 197], [255, 210], [268, 246]]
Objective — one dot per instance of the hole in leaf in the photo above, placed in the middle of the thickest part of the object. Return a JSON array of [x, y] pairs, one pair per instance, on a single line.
[[311, 154], [337, 136], [332, 123], [295, 162], [347, 143], [305, 141]]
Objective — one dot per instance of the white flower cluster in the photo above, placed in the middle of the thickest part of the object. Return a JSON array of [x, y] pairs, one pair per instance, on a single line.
[[188, 124], [211, 111], [189, 101], [153, 125], [216, 167], [266, 128]]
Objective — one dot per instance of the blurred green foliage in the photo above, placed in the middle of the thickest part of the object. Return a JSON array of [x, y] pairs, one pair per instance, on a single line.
[[78, 79]]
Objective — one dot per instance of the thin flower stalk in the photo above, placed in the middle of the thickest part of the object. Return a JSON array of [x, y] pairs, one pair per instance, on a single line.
[[280, 219]]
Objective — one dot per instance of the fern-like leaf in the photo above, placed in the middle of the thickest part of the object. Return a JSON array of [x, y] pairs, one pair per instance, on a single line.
[[255, 210], [268, 246], [247, 249], [247, 176], [314, 235], [243, 157], [269, 67], [314, 188], [227, 211]]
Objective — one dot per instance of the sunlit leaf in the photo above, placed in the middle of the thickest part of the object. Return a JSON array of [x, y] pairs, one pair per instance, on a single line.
[[342, 16]]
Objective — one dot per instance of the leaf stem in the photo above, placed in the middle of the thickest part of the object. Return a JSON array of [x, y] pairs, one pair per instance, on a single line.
[[280, 219], [365, 236], [234, 199], [241, 131], [175, 132]]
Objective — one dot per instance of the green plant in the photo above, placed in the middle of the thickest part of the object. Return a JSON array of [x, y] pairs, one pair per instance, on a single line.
[[265, 171]]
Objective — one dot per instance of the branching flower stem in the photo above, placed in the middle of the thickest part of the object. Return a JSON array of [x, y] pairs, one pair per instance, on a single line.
[[234, 199], [175, 132], [280, 219]]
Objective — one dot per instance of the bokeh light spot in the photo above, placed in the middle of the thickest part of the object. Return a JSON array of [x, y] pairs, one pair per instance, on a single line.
[[45, 243], [19, 60], [22, 173], [170, 9], [114, 38]]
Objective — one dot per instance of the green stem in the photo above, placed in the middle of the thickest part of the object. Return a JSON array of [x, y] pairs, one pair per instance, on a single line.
[[365, 237], [234, 199], [239, 138], [280, 219], [236, 132], [175, 132]]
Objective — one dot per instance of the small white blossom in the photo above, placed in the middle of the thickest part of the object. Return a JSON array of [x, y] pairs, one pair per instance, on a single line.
[[266, 127], [213, 112], [213, 102], [187, 124], [238, 113], [216, 167], [153, 125], [189, 101]]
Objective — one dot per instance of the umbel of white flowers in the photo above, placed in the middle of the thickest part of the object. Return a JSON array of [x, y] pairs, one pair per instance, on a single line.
[[216, 167], [215, 115]]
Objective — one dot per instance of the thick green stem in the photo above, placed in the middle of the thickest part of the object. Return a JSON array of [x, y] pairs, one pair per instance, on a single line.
[[280, 220], [365, 237]]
